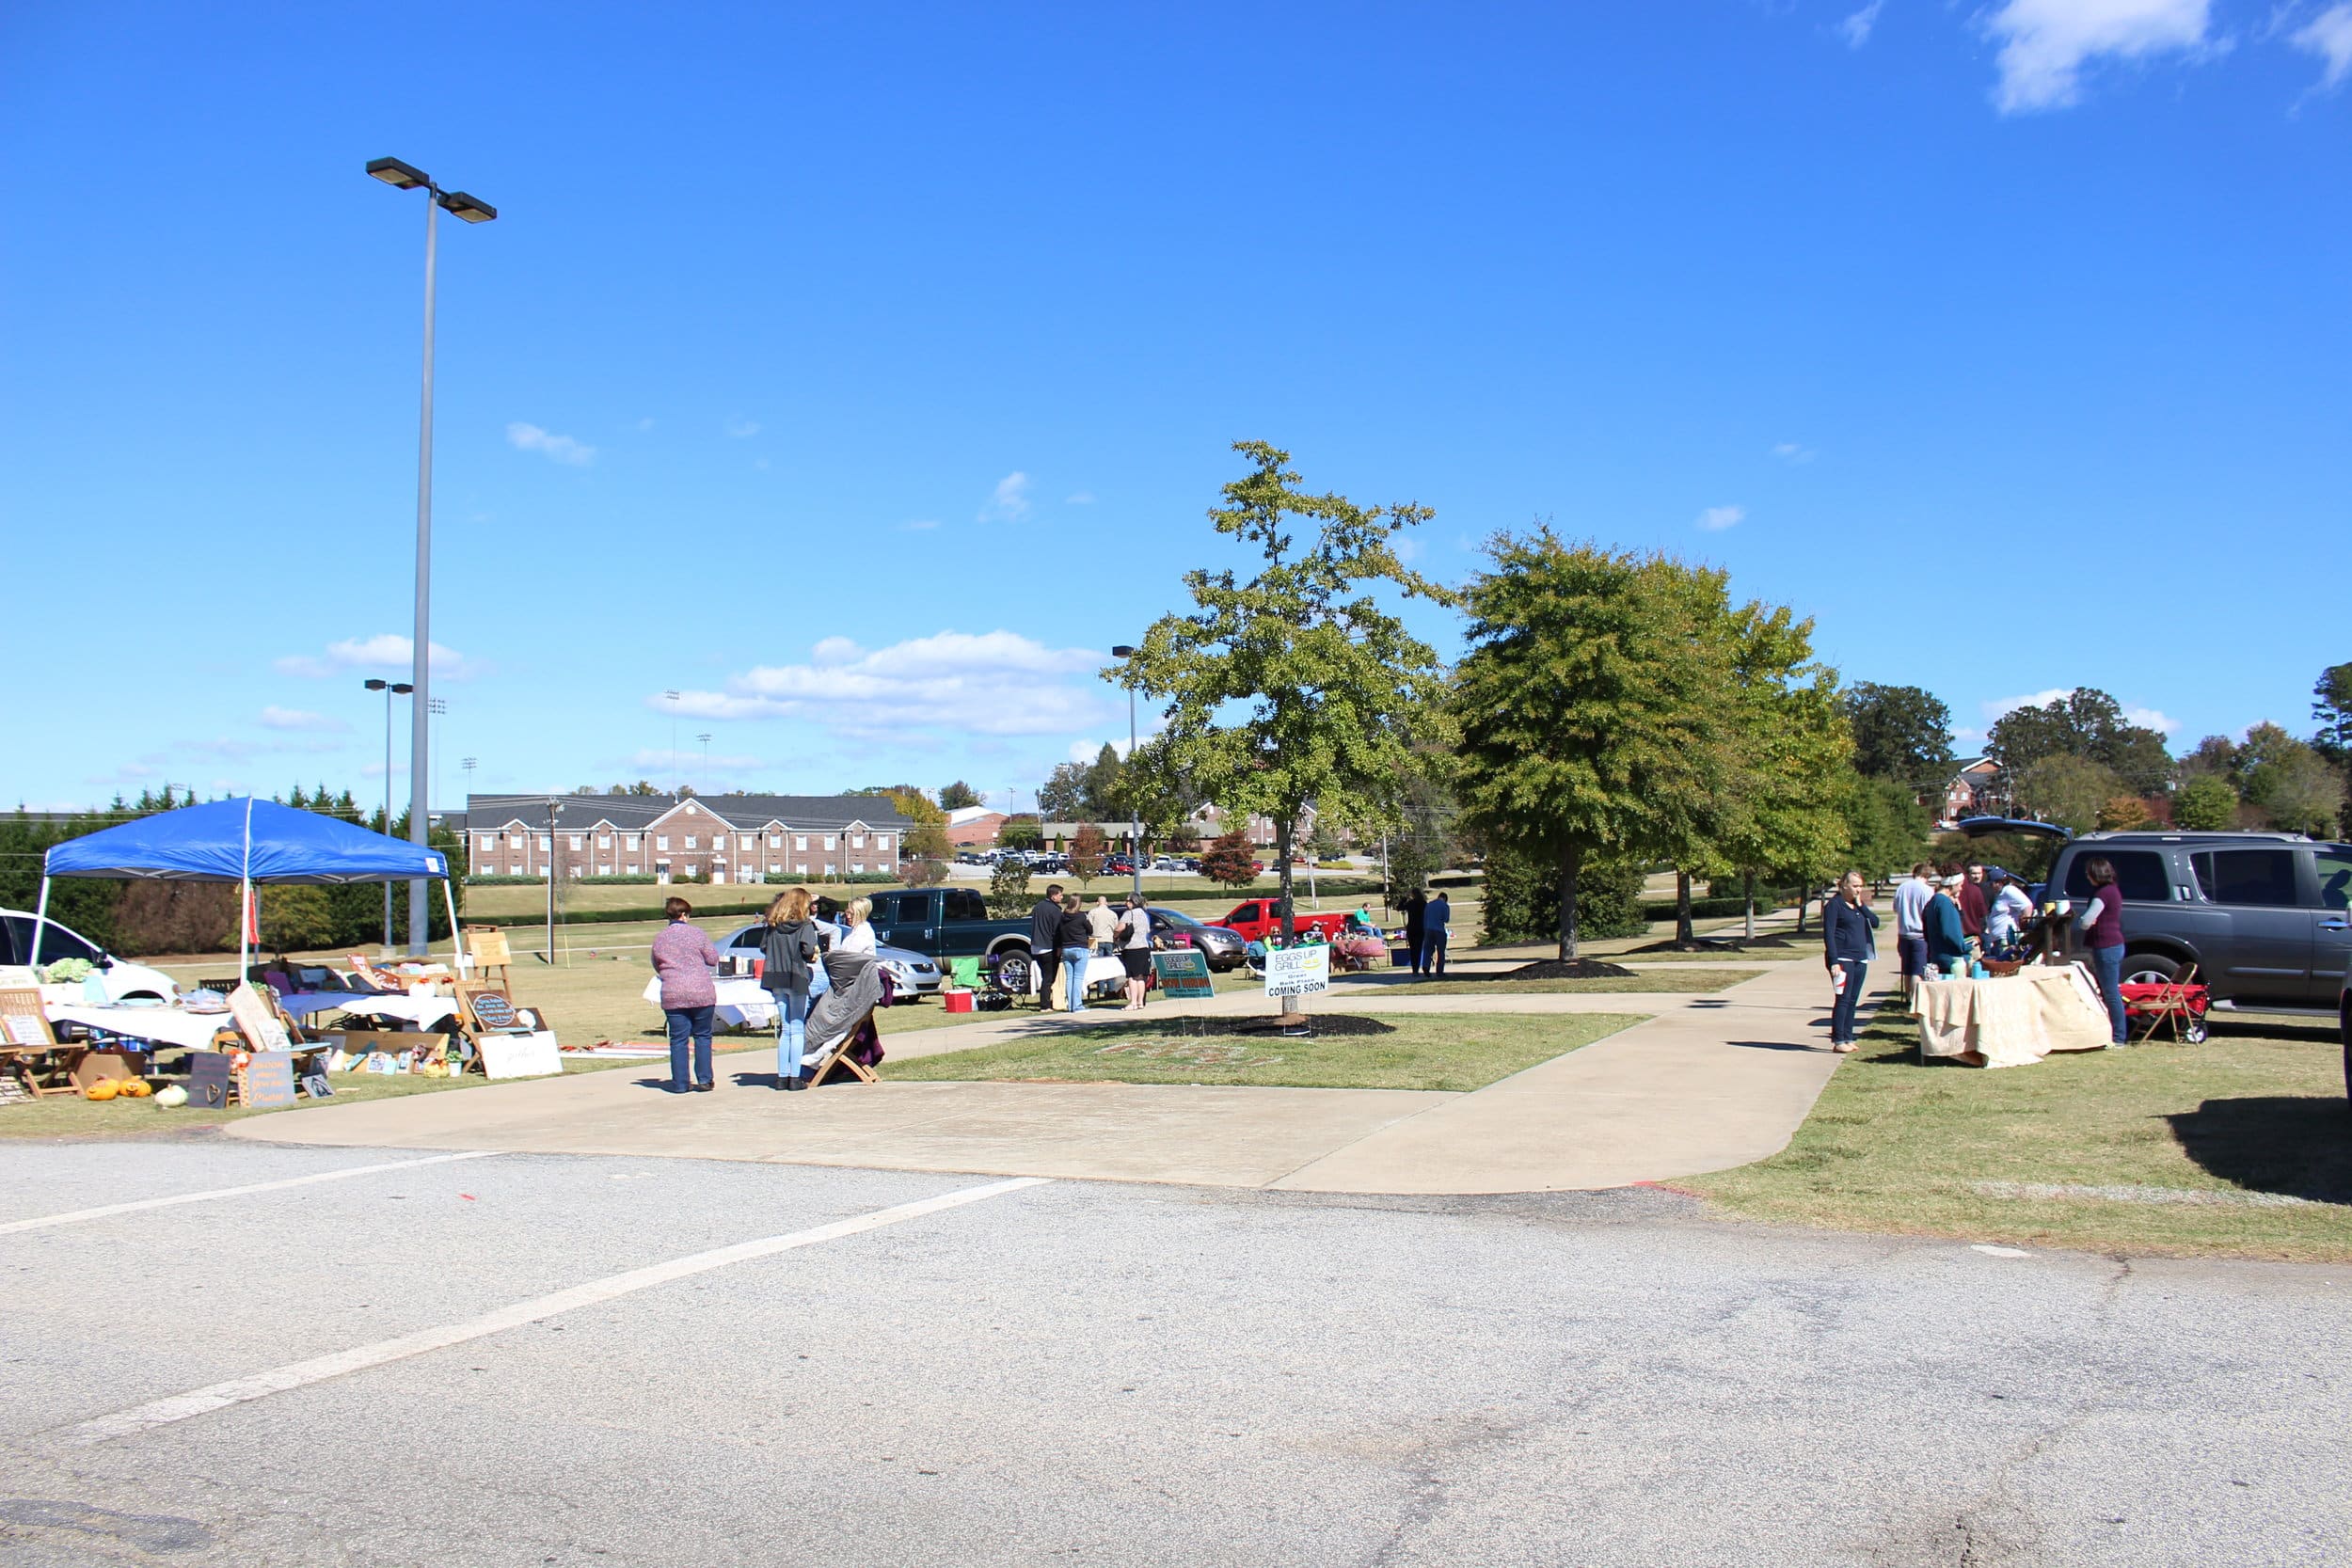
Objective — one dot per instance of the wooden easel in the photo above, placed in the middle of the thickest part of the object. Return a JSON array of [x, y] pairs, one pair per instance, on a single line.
[[486, 946]]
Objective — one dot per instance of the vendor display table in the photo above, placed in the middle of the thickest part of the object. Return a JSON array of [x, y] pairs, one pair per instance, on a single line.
[[164, 1025], [423, 1012], [741, 999], [2011, 1021]]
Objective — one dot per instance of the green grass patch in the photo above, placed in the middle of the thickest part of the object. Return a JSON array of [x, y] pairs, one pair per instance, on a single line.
[[72, 1116], [1456, 1053], [2180, 1150], [1670, 978]]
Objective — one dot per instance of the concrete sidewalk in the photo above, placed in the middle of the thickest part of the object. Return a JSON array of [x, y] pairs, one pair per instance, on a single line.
[[1709, 1083]]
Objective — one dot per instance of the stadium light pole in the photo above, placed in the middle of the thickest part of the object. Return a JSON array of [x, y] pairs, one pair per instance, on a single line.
[[390, 690], [406, 177], [1135, 818]]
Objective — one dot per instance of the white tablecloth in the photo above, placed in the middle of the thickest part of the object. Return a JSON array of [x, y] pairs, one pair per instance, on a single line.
[[424, 1012], [164, 1025], [741, 999]]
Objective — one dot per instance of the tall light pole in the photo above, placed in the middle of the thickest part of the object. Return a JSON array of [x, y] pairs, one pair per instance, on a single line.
[[406, 176], [676, 771], [704, 738], [390, 690], [1135, 816], [439, 709]]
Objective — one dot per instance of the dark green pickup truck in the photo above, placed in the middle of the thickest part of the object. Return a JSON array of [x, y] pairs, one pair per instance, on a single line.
[[953, 922]]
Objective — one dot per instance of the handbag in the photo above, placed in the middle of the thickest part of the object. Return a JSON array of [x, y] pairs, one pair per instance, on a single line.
[[819, 982]]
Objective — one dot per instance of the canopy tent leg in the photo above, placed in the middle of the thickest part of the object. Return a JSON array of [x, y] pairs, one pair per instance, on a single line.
[[456, 938], [244, 901], [41, 920]]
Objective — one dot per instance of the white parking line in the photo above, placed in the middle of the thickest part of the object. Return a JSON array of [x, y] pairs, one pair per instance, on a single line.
[[201, 1401], [79, 1214]]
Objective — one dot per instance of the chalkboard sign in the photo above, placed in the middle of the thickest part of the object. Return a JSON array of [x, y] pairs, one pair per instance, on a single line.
[[492, 1010], [208, 1079], [268, 1079], [1184, 973]]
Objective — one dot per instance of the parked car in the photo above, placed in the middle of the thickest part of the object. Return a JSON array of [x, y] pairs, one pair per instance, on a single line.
[[1222, 945], [913, 974], [1118, 866], [2263, 916], [945, 923], [123, 978], [1167, 863], [1252, 919]]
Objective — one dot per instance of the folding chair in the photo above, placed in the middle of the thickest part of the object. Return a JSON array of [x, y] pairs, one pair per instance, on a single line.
[[838, 1056], [2178, 1005]]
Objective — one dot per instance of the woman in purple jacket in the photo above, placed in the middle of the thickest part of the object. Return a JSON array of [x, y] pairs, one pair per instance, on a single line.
[[684, 957], [2101, 926]]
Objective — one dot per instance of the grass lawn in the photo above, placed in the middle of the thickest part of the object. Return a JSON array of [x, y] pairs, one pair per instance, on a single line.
[[72, 1116], [1667, 978], [2181, 1151], [1457, 1053]]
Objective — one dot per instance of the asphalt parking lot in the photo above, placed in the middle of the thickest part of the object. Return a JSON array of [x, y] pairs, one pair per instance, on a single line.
[[485, 1361]]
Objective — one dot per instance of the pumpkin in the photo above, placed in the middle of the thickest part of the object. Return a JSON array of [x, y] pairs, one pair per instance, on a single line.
[[132, 1089], [170, 1095], [105, 1088]]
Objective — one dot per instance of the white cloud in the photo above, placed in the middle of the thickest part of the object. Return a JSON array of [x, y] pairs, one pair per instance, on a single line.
[[1855, 29], [1083, 497], [919, 525], [2329, 35], [1793, 453], [1999, 706], [2046, 43], [760, 462], [994, 683], [1406, 547], [1717, 518], [657, 764], [742, 428], [1009, 501], [645, 423], [2152, 719], [385, 651], [276, 718], [560, 449], [1966, 734]]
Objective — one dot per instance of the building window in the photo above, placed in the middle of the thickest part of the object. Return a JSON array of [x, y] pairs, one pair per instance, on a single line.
[[828, 868], [775, 841], [857, 865], [576, 840], [857, 840], [690, 842], [629, 841], [742, 841], [800, 841], [829, 842], [604, 841], [490, 841], [661, 841], [542, 844]]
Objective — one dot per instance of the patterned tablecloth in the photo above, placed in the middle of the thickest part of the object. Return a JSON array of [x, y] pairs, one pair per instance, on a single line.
[[2012, 1021]]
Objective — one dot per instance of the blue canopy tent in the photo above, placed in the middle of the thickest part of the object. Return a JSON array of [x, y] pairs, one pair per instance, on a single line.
[[244, 841]]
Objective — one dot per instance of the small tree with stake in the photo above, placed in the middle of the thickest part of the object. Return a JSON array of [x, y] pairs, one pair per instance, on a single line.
[[1087, 848], [1230, 861], [1332, 687]]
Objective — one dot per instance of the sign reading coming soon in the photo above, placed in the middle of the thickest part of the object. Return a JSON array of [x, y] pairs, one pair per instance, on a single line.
[[1297, 970]]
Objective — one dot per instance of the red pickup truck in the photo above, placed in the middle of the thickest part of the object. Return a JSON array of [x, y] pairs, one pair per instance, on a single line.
[[1257, 918]]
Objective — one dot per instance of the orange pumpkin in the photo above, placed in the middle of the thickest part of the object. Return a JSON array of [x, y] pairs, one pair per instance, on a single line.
[[132, 1089], [105, 1088]]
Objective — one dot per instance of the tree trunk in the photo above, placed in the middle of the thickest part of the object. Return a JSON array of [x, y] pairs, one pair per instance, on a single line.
[[1571, 867], [1283, 852], [1747, 897], [1682, 908], [1803, 898]]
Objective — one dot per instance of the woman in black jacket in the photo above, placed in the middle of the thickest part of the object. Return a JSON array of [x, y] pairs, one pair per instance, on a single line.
[[789, 956], [1849, 942]]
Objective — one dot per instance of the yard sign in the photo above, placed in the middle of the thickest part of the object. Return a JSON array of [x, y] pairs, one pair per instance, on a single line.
[[1298, 970]]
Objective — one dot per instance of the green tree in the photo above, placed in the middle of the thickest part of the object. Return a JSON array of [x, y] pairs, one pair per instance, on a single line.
[[1294, 685], [1886, 827], [2087, 723], [2331, 707], [1105, 794], [2067, 790], [1592, 705], [2291, 783], [1062, 798], [1900, 732], [1009, 888], [1021, 830], [1795, 757], [1522, 899], [2214, 757], [1232, 861], [2205, 803], [959, 795]]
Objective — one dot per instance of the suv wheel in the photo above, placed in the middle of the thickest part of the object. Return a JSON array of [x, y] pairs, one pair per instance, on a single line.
[[1012, 971], [2149, 969]]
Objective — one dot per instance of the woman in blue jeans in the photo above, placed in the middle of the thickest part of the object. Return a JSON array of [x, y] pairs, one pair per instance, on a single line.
[[1849, 942], [685, 958], [2101, 926], [788, 957]]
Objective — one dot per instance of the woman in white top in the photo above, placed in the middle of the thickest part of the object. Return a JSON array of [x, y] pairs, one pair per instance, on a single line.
[[1134, 950], [857, 931]]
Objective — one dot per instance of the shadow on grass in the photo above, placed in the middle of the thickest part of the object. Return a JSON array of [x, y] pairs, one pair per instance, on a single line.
[[2298, 1145]]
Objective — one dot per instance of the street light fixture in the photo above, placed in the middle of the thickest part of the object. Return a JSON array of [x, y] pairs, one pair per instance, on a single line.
[[1135, 818], [408, 177], [390, 690]]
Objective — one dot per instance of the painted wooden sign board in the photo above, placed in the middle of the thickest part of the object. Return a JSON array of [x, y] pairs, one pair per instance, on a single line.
[[486, 946], [1184, 973], [267, 1078], [1298, 970], [523, 1053], [208, 1078], [254, 1020]]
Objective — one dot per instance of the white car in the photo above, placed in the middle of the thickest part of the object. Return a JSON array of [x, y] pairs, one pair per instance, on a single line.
[[913, 974], [121, 978]]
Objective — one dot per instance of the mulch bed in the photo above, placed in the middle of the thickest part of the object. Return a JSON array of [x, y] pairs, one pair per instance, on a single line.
[[1714, 944], [1566, 968], [1325, 1025]]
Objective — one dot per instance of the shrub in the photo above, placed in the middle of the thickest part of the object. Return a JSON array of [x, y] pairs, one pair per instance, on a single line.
[[1231, 862], [2205, 804], [1523, 900], [1008, 889]]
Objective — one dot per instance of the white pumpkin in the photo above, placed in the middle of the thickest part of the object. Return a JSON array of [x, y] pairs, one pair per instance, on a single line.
[[171, 1094]]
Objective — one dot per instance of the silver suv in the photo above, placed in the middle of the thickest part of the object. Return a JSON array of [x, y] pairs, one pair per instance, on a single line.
[[2263, 916]]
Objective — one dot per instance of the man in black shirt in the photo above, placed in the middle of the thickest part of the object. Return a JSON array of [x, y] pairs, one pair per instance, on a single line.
[[1044, 950]]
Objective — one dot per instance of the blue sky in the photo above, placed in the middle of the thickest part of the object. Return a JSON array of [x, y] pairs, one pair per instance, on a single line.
[[863, 374]]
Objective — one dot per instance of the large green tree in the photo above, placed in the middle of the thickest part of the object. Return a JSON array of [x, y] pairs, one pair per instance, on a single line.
[[1795, 759], [959, 795], [2331, 707], [1297, 685], [1594, 707], [1900, 732], [2087, 723], [2068, 789]]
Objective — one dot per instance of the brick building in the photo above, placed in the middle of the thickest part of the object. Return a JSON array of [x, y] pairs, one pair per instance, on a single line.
[[728, 838]]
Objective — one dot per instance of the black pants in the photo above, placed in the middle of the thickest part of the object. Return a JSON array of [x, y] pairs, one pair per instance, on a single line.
[[1048, 965], [1841, 1016], [1412, 944]]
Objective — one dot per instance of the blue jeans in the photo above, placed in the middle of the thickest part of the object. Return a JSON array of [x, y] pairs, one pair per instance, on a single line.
[[2108, 964], [1073, 968], [791, 1032], [1841, 1017], [1914, 951], [1433, 952], [685, 1023]]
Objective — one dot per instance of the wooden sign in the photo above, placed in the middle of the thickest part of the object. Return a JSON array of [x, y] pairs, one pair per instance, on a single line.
[[521, 1054], [23, 1024], [1184, 971], [485, 1006], [208, 1079], [255, 1021], [486, 946], [1298, 970], [266, 1079]]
